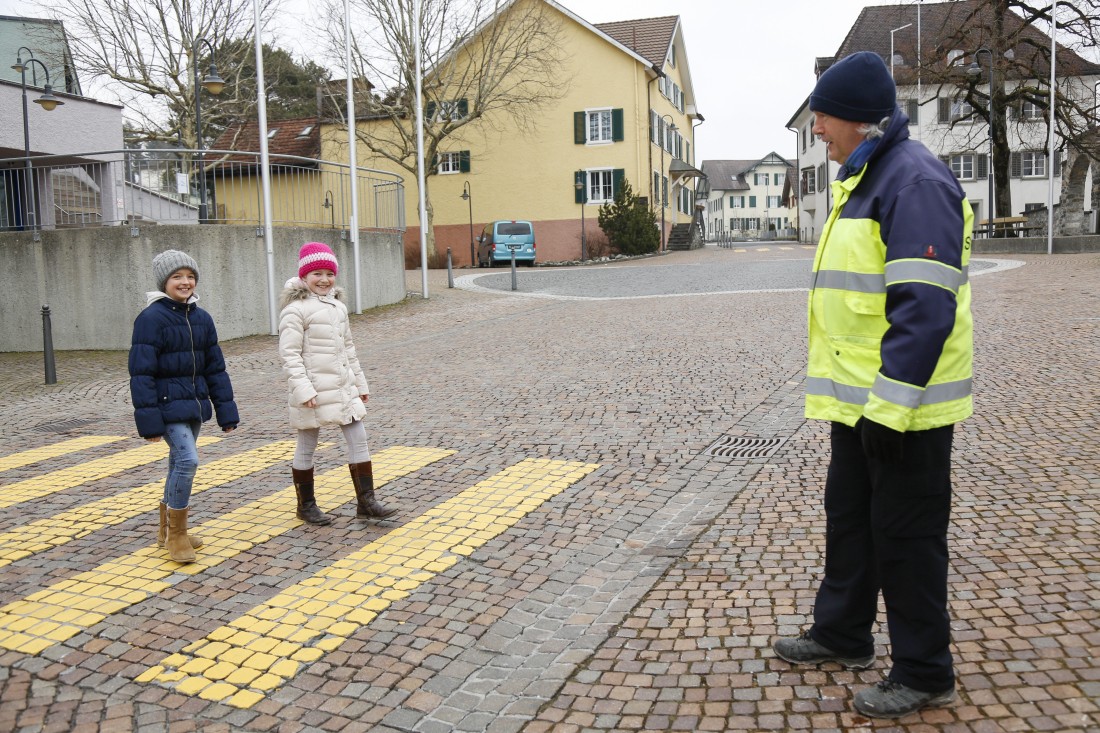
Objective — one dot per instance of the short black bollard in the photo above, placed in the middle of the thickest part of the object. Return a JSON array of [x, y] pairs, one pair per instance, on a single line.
[[47, 346], [450, 274], [514, 268]]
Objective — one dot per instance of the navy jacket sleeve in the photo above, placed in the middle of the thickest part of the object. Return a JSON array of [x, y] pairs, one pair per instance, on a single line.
[[217, 382], [926, 222], [144, 350]]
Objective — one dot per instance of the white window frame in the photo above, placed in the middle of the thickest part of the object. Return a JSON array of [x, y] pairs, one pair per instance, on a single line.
[[1030, 111], [964, 166], [599, 115], [1033, 164], [449, 163], [448, 110], [960, 108], [600, 181]]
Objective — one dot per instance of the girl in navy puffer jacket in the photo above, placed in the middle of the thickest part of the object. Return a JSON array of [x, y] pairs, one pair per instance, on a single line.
[[176, 372]]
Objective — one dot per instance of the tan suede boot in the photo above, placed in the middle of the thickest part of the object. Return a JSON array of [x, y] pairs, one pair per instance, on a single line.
[[179, 549], [193, 539]]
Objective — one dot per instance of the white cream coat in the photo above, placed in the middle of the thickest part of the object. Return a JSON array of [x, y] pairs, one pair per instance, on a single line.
[[319, 359]]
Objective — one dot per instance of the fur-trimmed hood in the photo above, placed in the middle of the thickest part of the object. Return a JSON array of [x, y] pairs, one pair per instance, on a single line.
[[296, 289]]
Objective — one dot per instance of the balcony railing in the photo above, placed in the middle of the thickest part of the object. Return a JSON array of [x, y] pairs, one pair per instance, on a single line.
[[130, 187]]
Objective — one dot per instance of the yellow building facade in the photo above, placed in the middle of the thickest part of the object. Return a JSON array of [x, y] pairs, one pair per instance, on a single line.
[[625, 108]]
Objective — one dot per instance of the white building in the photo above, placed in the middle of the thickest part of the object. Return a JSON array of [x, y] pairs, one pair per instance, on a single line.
[[939, 115], [744, 198]]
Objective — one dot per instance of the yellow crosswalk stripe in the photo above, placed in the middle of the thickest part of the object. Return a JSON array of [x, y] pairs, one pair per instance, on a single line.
[[70, 606], [34, 455], [67, 478], [66, 526], [240, 663]]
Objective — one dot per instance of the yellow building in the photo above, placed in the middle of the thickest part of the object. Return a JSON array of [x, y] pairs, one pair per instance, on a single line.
[[623, 106]]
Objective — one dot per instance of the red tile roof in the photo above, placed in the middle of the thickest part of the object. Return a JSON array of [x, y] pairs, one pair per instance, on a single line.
[[298, 137], [648, 37]]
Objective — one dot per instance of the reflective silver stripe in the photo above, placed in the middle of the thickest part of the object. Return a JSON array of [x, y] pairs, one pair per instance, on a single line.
[[854, 281], [825, 387], [928, 271], [912, 397]]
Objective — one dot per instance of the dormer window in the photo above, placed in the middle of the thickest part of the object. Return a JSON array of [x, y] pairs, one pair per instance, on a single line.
[[954, 55], [271, 133], [305, 131]]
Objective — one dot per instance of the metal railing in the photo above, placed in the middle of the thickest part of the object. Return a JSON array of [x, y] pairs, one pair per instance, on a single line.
[[113, 188]]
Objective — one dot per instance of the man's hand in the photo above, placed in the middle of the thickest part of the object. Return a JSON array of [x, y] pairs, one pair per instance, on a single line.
[[880, 442]]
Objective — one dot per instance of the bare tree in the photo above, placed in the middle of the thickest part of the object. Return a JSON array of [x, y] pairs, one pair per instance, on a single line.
[[493, 62], [1016, 35], [144, 53]]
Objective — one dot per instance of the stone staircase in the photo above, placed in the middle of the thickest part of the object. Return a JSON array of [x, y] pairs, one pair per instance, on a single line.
[[684, 236]]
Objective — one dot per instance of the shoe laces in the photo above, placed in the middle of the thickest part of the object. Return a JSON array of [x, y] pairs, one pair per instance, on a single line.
[[890, 686]]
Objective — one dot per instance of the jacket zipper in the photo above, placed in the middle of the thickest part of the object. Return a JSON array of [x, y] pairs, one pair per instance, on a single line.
[[194, 366]]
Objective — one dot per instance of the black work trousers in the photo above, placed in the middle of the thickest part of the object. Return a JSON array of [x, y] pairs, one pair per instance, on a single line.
[[886, 529]]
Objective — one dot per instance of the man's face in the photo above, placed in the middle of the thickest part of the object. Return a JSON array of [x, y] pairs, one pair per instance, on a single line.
[[841, 137]]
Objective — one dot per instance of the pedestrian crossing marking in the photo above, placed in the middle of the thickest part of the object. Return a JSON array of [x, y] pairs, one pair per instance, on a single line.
[[70, 606], [240, 663], [56, 530], [34, 455], [67, 478]]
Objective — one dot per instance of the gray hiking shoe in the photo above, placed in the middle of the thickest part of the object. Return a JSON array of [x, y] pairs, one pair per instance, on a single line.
[[890, 699], [804, 650]]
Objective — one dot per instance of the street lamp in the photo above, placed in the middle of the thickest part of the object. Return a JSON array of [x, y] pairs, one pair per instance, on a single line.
[[330, 204], [892, 46], [49, 102], [214, 84], [974, 74], [661, 192], [468, 197], [582, 193]]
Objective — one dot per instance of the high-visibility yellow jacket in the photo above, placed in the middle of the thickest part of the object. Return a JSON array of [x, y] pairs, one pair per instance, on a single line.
[[890, 331]]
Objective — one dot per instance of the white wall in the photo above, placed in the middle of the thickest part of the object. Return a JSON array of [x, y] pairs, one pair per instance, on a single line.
[[77, 126]]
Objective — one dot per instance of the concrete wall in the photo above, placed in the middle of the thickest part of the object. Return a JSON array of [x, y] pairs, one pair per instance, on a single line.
[[95, 280], [1036, 245]]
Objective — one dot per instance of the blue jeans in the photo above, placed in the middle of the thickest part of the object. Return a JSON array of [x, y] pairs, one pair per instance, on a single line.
[[183, 461]]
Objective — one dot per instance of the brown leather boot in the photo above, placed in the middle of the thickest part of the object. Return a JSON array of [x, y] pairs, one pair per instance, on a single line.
[[193, 539], [308, 511], [366, 506], [179, 549]]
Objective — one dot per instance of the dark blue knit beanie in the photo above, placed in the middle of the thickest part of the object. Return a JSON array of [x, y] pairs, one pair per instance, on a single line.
[[857, 88]]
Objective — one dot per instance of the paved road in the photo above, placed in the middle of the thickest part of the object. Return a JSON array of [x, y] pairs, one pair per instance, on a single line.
[[610, 503]]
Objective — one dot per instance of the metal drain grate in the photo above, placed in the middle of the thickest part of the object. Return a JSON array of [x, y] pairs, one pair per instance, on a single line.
[[740, 446], [64, 425]]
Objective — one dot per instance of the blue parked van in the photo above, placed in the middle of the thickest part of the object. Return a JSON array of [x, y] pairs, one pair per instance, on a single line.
[[499, 238]]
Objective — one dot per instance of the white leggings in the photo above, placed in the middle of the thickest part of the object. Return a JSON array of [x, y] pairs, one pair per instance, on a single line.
[[355, 435]]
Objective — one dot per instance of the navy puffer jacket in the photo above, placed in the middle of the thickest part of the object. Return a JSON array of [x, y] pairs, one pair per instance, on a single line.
[[177, 368]]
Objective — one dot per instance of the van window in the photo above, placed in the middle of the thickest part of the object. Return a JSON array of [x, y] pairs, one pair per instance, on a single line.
[[514, 227]]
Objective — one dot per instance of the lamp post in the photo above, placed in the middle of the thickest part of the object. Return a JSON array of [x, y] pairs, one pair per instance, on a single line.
[[213, 84], [331, 205], [661, 192], [974, 74], [48, 102], [468, 197], [582, 193], [895, 30]]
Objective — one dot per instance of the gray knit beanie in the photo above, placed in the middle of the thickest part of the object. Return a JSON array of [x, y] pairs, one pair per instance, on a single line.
[[168, 262]]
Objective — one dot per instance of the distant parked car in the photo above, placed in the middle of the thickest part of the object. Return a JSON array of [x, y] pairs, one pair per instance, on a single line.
[[499, 238]]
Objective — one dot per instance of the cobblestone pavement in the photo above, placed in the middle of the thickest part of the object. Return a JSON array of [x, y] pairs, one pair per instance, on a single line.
[[569, 556]]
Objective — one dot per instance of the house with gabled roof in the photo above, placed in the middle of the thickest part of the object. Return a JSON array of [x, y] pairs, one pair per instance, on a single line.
[[934, 92], [745, 198], [626, 111]]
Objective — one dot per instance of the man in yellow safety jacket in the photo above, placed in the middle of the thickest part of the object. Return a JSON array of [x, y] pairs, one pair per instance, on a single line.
[[890, 353]]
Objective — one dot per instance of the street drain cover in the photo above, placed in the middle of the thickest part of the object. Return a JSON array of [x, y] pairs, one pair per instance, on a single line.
[[64, 425], [740, 446]]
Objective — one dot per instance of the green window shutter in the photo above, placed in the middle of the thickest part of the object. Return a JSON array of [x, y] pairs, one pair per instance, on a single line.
[[687, 151], [617, 125], [1016, 166], [752, 202], [464, 161], [982, 166], [912, 110], [435, 163], [580, 135], [943, 109], [580, 195], [617, 177], [731, 202], [429, 111], [1058, 166], [463, 108]]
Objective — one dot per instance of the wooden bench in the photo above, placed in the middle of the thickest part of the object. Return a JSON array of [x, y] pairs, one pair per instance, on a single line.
[[1005, 226]]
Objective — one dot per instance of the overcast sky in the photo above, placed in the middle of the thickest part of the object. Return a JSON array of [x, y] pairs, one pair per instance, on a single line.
[[751, 60]]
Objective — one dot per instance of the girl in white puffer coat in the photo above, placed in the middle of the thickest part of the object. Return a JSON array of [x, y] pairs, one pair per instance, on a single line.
[[326, 383]]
